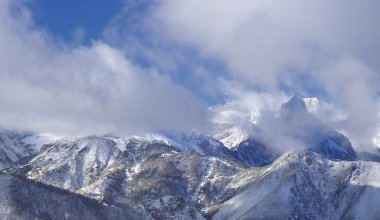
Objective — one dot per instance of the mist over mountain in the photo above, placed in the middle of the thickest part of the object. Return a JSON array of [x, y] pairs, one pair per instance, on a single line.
[[215, 175]]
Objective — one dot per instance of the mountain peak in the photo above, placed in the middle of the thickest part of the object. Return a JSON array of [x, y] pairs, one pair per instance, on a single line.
[[294, 105]]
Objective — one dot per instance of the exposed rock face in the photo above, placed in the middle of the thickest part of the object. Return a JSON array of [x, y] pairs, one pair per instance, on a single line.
[[254, 153]]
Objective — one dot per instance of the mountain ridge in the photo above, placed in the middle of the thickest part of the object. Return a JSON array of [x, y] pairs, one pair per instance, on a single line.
[[196, 176]]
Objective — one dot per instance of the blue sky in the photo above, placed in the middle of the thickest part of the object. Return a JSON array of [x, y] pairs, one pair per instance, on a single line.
[[81, 22], [64, 17]]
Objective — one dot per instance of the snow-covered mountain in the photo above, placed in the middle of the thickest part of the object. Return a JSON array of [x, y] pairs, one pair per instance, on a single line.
[[136, 172], [313, 133], [303, 185], [227, 172], [293, 119]]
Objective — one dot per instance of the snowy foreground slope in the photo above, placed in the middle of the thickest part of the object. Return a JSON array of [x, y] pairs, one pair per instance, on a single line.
[[194, 176], [304, 185]]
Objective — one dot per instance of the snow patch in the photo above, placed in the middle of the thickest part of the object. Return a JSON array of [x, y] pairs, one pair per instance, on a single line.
[[312, 104], [39, 140], [155, 138], [132, 171], [120, 143], [232, 137]]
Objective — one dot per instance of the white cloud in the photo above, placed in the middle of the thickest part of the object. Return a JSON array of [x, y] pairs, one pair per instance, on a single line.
[[48, 86], [261, 40], [275, 47], [290, 45]]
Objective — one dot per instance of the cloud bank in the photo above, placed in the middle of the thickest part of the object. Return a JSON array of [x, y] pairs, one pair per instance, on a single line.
[[46, 85], [329, 49]]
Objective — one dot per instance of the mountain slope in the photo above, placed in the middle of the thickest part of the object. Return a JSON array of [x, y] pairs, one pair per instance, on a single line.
[[303, 185], [203, 179], [16, 147], [23, 199], [149, 175], [254, 153], [12, 148]]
